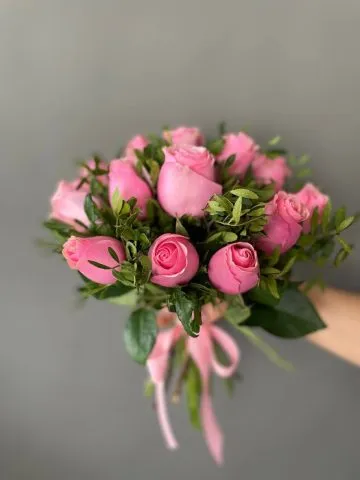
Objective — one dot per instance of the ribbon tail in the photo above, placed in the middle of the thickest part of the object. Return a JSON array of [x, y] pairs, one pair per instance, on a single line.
[[214, 437], [157, 364], [200, 349], [163, 417], [230, 347]]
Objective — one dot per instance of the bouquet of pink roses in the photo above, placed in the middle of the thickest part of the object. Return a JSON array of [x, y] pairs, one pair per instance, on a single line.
[[188, 231]]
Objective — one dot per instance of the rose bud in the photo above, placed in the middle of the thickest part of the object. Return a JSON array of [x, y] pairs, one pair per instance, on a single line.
[[123, 177], [186, 180], [270, 170], [184, 136], [283, 229], [234, 269], [78, 251], [243, 147], [67, 204], [174, 260], [312, 198], [139, 142]]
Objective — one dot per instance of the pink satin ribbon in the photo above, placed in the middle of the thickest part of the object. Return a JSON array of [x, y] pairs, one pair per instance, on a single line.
[[202, 352]]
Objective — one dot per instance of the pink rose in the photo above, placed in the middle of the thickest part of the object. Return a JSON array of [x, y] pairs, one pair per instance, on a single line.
[[67, 204], [139, 142], [234, 269], [84, 172], [184, 136], [174, 260], [285, 215], [78, 251], [270, 170], [243, 147], [123, 177], [186, 180], [312, 198]]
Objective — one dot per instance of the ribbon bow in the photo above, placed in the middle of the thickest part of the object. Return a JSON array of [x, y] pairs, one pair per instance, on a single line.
[[201, 350]]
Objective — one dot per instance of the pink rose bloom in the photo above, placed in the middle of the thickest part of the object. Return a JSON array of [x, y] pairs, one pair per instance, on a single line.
[[285, 216], [243, 147], [139, 142], [174, 260], [234, 269], [104, 179], [186, 181], [312, 198], [184, 136], [123, 177], [67, 204], [270, 170], [78, 251]]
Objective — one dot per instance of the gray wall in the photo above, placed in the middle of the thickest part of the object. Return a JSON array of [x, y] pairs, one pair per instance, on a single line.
[[79, 75]]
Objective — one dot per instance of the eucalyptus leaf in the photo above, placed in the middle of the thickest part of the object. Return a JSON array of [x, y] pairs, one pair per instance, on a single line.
[[236, 213], [245, 193], [113, 254], [91, 209], [346, 223]]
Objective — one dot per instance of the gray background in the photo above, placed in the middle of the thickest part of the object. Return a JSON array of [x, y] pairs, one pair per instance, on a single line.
[[78, 76]]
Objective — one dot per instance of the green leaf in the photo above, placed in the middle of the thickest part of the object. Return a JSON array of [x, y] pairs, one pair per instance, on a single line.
[[99, 265], [314, 221], [304, 172], [229, 237], [274, 257], [288, 265], [129, 298], [272, 286], [213, 238], [263, 296], [116, 202], [270, 271], [131, 251], [306, 240], [346, 246], [140, 334], [215, 207], [326, 217], [257, 212], [193, 395], [293, 317], [229, 161], [154, 171], [340, 257], [345, 224], [184, 307], [303, 160], [224, 202], [236, 213], [266, 349], [180, 229], [340, 216], [91, 209], [237, 314], [274, 141], [113, 254], [245, 193], [216, 146]]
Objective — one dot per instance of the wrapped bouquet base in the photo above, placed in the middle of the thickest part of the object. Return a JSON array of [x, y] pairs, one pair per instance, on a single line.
[[187, 231]]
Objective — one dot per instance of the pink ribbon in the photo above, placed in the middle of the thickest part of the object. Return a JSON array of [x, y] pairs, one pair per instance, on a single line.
[[202, 352]]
